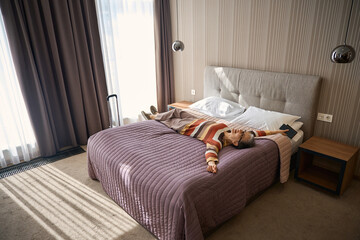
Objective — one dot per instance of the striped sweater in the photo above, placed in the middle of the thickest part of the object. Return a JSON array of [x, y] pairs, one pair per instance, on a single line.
[[261, 133], [211, 133]]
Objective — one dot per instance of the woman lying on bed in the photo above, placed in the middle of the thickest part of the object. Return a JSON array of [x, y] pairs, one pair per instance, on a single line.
[[214, 135]]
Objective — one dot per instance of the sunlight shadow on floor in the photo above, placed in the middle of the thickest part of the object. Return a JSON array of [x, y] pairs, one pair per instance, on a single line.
[[66, 208]]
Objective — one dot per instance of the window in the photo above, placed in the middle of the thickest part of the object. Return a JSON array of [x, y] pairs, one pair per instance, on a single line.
[[127, 38]]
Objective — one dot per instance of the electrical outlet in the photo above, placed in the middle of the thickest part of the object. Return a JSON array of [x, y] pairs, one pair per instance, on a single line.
[[324, 117], [193, 92], [320, 117], [328, 118]]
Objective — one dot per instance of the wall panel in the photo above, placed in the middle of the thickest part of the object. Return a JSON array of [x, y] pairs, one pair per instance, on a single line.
[[295, 36]]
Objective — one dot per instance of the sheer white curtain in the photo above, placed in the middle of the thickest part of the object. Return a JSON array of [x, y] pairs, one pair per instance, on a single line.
[[127, 38], [17, 140]]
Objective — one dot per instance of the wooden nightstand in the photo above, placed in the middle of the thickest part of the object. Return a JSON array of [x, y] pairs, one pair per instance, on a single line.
[[326, 164], [181, 105]]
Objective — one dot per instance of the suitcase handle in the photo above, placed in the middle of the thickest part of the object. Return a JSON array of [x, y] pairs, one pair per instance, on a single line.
[[110, 96]]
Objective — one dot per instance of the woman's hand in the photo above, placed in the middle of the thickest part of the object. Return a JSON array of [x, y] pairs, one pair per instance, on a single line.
[[211, 167], [283, 132]]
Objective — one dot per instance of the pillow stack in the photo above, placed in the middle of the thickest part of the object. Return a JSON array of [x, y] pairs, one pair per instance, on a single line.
[[266, 120]]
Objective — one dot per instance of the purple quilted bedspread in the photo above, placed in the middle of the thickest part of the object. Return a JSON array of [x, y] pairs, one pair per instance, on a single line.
[[159, 177]]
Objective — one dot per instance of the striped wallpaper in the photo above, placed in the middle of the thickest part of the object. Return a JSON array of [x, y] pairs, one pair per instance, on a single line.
[[295, 36]]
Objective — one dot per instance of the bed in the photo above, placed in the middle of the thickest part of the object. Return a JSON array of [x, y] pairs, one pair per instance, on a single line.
[[158, 176]]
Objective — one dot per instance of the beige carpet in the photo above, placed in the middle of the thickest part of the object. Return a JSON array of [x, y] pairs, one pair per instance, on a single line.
[[60, 201]]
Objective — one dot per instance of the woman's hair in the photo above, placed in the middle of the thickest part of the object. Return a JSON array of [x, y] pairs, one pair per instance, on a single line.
[[250, 142]]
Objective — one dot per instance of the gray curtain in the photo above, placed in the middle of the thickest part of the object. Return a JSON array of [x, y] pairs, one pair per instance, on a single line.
[[163, 54], [56, 50]]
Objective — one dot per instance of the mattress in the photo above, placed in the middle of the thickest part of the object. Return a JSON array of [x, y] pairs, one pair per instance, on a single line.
[[296, 141]]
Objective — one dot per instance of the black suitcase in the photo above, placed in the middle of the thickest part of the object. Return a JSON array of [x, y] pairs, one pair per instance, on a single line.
[[113, 122]]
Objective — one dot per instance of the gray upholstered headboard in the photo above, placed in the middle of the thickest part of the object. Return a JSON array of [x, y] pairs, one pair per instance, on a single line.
[[282, 92]]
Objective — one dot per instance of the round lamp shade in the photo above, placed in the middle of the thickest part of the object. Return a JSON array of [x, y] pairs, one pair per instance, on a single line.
[[343, 54], [178, 46]]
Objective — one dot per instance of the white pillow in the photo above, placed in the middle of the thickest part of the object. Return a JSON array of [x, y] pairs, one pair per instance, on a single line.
[[218, 107], [297, 125], [264, 120], [297, 136]]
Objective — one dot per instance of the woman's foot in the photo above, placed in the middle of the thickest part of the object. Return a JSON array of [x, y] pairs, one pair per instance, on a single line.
[[153, 110], [145, 115]]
